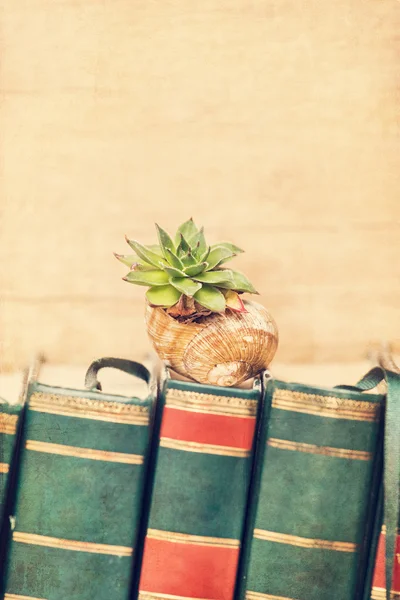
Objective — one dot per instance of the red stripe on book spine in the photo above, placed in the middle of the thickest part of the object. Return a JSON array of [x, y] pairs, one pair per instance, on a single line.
[[221, 430], [379, 580], [189, 570]]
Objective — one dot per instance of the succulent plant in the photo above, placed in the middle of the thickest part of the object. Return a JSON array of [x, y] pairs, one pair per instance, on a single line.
[[185, 275]]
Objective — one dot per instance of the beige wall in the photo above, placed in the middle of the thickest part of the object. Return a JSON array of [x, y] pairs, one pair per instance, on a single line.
[[275, 124]]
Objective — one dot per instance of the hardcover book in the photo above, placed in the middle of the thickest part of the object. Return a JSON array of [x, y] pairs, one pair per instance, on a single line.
[[79, 495], [311, 498], [198, 502]]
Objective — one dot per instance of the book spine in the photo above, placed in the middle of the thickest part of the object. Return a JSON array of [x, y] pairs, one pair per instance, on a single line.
[[309, 502], [79, 495], [8, 428], [254, 490], [12, 417], [199, 495]]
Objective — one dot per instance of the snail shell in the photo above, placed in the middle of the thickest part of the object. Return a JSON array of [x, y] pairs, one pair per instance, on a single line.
[[222, 349]]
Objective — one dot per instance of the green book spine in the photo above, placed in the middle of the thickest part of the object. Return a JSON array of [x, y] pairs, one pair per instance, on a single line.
[[309, 508], [9, 427], [9, 414], [79, 495], [199, 496]]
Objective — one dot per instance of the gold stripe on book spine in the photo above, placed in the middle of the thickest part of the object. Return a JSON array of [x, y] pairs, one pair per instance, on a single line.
[[325, 406], [87, 408], [383, 531], [228, 406], [380, 594], [158, 596], [4, 467], [75, 545], [197, 540], [89, 453], [302, 542], [19, 597], [8, 423], [323, 450], [203, 448], [261, 596]]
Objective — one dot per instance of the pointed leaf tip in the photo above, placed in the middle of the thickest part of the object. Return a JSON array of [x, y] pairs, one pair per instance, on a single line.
[[240, 283], [173, 260], [147, 255], [188, 229], [232, 247], [182, 246], [165, 240]]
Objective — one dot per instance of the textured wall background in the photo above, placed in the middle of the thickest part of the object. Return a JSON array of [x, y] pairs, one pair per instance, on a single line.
[[275, 124]]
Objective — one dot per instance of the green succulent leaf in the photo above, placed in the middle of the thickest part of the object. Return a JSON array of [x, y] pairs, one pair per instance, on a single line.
[[218, 255], [185, 285], [205, 254], [134, 262], [199, 244], [144, 253], [163, 295], [185, 265], [183, 246], [216, 277], [188, 229], [189, 260], [156, 249], [228, 246], [165, 240], [147, 277], [141, 266], [173, 260], [240, 283], [193, 270], [211, 298], [127, 259], [172, 272]]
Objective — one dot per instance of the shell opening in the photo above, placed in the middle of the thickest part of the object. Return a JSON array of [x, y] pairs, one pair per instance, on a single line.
[[226, 374]]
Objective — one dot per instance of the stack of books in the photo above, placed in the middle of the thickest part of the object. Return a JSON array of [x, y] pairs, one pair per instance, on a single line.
[[192, 492]]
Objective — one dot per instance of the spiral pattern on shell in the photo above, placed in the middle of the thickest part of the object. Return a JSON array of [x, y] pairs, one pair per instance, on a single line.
[[223, 349]]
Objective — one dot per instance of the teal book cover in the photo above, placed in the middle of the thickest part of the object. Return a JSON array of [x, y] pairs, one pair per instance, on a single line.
[[79, 495], [310, 507]]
